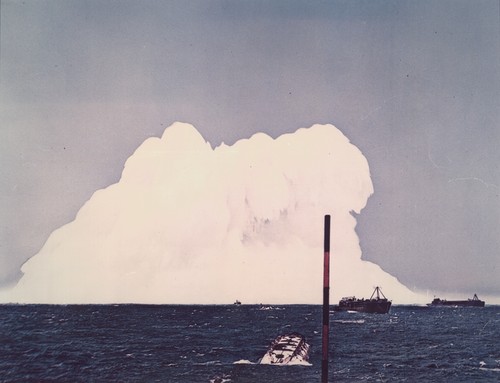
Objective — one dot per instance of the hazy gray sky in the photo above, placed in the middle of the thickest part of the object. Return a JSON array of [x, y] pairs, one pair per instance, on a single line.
[[415, 85]]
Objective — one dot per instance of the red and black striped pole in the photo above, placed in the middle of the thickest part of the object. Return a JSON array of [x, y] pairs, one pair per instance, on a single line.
[[326, 301]]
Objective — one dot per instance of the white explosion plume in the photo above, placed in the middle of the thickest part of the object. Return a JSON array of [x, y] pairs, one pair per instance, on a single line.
[[190, 224]]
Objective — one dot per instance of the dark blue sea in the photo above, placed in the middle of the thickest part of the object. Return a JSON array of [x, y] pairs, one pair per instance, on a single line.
[[184, 343]]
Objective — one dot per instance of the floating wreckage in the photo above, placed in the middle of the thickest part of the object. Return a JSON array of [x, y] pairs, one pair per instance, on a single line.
[[287, 349]]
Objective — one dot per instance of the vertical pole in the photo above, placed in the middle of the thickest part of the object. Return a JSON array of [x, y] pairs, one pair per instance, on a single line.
[[326, 301]]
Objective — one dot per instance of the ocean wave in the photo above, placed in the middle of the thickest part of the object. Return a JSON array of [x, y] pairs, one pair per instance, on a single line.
[[356, 321], [243, 361]]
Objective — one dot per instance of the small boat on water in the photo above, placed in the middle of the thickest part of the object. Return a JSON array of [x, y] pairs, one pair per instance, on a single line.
[[377, 304], [237, 302], [474, 302], [287, 349]]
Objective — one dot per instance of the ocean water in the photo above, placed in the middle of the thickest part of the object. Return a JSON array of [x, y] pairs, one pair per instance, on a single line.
[[198, 343]]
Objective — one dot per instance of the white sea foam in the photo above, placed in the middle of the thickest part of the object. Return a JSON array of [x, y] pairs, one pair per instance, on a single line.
[[495, 369], [220, 380], [298, 362], [209, 363], [358, 321], [243, 361]]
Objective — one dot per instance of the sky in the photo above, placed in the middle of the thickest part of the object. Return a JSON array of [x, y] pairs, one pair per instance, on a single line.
[[415, 86]]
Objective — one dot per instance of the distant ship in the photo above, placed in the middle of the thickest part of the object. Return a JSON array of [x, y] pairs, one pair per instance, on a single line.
[[237, 302], [474, 302], [287, 349], [377, 304]]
